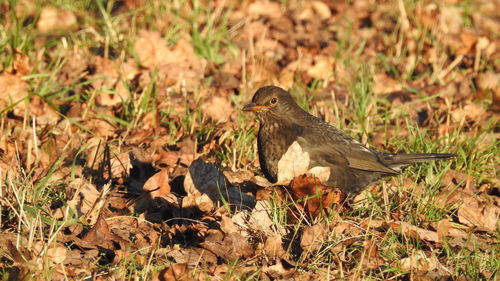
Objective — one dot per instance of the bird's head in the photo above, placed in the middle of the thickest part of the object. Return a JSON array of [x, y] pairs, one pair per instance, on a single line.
[[271, 100]]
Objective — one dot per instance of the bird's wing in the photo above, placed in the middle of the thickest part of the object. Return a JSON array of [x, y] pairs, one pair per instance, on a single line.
[[362, 158], [344, 152]]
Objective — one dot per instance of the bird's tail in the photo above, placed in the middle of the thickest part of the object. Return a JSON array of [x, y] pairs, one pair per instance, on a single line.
[[400, 160]]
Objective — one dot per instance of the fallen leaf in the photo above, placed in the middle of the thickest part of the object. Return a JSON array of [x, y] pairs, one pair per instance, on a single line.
[[371, 257], [52, 19], [56, 254], [295, 162], [322, 67], [414, 231], [14, 92], [313, 237], [273, 247], [100, 235], [488, 80], [443, 228], [205, 182], [314, 197], [227, 225], [264, 8], [231, 246], [383, 84], [479, 211], [218, 109], [158, 185], [419, 260], [84, 199], [260, 218], [121, 165], [321, 9], [192, 256], [471, 112], [176, 272]]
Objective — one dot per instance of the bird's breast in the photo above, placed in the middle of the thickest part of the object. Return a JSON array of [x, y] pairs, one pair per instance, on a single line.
[[273, 141]]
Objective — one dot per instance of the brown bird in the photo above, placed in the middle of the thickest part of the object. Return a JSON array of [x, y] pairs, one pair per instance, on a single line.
[[352, 165]]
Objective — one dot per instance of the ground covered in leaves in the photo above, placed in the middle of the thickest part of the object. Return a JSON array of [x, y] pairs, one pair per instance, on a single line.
[[124, 153]]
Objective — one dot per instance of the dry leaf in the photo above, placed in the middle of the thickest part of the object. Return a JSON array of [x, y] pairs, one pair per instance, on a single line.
[[84, 199], [273, 247], [312, 196], [488, 80], [322, 67], [205, 184], [450, 19], [313, 237], [192, 256], [420, 261], [321, 9], [227, 225], [158, 185], [100, 235], [121, 165], [218, 109], [56, 254], [55, 19], [384, 84], [231, 246], [470, 111], [14, 92], [295, 162], [264, 8], [480, 212], [176, 272], [443, 228], [414, 231]]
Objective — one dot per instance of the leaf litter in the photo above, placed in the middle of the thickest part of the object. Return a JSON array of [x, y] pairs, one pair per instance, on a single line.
[[130, 150]]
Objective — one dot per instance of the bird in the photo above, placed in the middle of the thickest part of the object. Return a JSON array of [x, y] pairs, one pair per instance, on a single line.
[[353, 166]]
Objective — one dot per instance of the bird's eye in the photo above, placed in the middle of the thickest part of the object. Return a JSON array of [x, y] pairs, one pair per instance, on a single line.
[[274, 100]]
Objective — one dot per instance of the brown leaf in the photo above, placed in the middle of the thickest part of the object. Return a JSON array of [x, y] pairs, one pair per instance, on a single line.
[[193, 256], [488, 80], [176, 272], [295, 162], [14, 91], [371, 258], [56, 253], [100, 235], [313, 237], [322, 67], [46, 115], [21, 65], [479, 211], [176, 64], [55, 19], [227, 225], [207, 186], [264, 8], [158, 185], [84, 199], [384, 84], [218, 109], [321, 9], [414, 231], [120, 165], [443, 228], [273, 247], [420, 260], [232, 246], [314, 197], [470, 112]]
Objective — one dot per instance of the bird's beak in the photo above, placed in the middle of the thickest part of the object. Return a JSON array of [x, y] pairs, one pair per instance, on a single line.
[[254, 107]]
